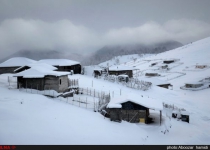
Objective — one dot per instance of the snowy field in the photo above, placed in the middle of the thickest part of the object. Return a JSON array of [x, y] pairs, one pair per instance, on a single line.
[[28, 118]]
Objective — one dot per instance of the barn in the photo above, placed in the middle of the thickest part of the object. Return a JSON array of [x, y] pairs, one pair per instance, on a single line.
[[121, 70], [64, 65], [13, 63], [133, 109], [41, 77]]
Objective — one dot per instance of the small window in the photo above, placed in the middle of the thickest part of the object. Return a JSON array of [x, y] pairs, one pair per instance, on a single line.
[[60, 81]]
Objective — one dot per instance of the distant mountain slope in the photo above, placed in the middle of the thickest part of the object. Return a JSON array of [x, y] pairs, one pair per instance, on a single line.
[[109, 52], [50, 54]]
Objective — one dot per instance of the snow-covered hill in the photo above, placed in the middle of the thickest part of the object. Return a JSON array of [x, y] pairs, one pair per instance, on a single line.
[[43, 120]]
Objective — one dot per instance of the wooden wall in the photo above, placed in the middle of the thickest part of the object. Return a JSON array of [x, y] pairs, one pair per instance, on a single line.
[[51, 82], [46, 83], [64, 83], [34, 83], [130, 112], [7, 69], [77, 68]]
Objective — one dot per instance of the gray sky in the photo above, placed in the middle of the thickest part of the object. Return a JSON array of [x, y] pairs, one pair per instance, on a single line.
[[87, 25]]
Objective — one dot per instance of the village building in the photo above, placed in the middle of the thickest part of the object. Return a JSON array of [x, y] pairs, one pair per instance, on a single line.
[[157, 82], [164, 67], [43, 77], [97, 72], [193, 85], [133, 109], [152, 74], [13, 63], [64, 65], [121, 70], [200, 66], [153, 64], [168, 61]]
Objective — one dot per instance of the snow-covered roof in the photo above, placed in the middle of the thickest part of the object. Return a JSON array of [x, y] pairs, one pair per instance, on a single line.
[[38, 65], [59, 62], [195, 82], [119, 68], [17, 62], [123, 75], [40, 72], [185, 113], [144, 101]]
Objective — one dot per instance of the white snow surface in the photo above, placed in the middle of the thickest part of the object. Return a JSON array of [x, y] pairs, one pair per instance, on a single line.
[[154, 104], [39, 70], [38, 65], [59, 62], [17, 61], [42, 120]]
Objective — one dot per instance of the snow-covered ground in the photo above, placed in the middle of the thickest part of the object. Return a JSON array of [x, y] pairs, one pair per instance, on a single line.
[[36, 119]]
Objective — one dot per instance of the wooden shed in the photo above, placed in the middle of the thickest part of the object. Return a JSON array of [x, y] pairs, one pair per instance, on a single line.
[[133, 110], [13, 63], [97, 72], [152, 74], [168, 61], [43, 79], [121, 70], [200, 66], [193, 85], [64, 65]]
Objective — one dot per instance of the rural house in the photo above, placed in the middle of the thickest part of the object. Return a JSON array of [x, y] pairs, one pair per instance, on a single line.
[[194, 86], [13, 63], [121, 70], [64, 65], [41, 77], [133, 109]]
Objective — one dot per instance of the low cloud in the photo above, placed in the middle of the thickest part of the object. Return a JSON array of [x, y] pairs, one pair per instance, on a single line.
[[19, 34]]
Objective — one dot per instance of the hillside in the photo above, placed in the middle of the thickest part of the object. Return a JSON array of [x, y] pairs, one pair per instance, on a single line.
[[43, 120]]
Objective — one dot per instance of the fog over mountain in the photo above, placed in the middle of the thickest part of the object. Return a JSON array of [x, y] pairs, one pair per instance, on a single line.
[[101, 55], [108, 52], [47, 54]]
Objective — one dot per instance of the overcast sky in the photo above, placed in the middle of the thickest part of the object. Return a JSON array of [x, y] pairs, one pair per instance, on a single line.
[[87, 25]]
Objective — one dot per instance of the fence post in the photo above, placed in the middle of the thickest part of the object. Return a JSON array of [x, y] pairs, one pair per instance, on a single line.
[[67, 100], [94, 104], [120, 91], [73, 100], [79, 101]]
